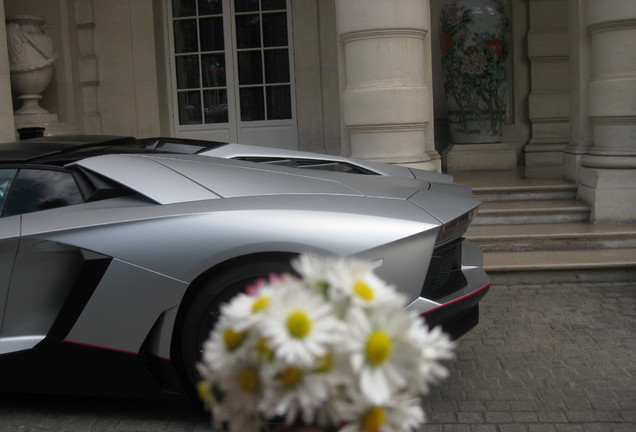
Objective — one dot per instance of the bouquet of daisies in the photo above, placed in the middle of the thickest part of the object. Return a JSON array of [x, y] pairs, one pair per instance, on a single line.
[[333, 349]]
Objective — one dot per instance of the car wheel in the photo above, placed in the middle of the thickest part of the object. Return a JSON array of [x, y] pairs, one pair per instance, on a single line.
[[204, 309]]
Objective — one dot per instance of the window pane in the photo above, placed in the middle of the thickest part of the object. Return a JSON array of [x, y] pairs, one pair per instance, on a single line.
[[6, 177], [213, 70], [276, 66], [250, 67], [183, 8], [185, 36], [211, 34], [248, 31], [252, 104], [274, 4], [210, 7], [275, 29], [278, 103], [245, 5], [215, 106], [36, 190], [187, 72], [189, 108]]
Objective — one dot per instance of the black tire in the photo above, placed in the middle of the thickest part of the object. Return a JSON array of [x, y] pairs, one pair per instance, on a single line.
[[204, 309]]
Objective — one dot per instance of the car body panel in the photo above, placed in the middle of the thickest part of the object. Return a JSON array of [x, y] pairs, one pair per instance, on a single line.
[[9, 241], [134, 172], [243, 151], [114, 274], [127, 303]]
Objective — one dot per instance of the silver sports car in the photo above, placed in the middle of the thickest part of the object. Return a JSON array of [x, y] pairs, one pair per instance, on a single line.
[[115, 253]]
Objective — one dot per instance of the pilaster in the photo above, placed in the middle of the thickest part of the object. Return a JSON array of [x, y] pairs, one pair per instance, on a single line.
[[7, 125], [549, 100], [580, 70], [88, 67]]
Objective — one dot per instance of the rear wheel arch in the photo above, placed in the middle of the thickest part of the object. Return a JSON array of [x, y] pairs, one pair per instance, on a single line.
[[215, 286]]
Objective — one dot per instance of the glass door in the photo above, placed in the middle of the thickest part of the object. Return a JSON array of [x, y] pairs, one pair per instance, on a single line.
[[232, 71]]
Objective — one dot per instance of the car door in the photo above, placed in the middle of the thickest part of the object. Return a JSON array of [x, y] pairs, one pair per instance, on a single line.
[[42, 272]]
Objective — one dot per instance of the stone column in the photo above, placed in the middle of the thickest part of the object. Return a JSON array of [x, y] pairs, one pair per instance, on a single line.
[[7, 124], [549, 100], [387, 96], [608, 171], [579, 55]]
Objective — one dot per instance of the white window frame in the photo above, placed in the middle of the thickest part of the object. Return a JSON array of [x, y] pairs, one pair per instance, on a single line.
[[235, 130]]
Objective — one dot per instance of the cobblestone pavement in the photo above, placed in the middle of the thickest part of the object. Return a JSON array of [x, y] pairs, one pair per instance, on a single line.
[[554, 358]]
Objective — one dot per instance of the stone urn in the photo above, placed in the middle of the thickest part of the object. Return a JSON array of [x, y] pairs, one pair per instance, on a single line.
[[474, 42], [31, 57]]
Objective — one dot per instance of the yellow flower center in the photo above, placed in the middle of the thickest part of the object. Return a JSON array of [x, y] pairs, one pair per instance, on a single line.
[[233, 339], [263, 350], [204, 391], [298, 324], [378, 348], [248, 380], [363, 290], [260, 304], [290, 376], [373, 419], [324, 363]]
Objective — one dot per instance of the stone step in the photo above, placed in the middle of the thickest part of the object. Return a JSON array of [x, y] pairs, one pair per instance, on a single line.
[[600, 265], [531, 212], [560, 260], [550, 237], [511, 185], [557, 191], [534, 230]]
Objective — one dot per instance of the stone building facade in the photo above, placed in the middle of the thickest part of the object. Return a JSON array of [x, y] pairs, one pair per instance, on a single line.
[[355, 77]]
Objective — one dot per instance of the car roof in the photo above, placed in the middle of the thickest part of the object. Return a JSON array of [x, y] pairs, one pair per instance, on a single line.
[[50, 149], [58, 150]]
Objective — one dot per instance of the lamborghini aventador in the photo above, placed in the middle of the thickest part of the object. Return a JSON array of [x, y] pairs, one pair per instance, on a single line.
[[116, 253]]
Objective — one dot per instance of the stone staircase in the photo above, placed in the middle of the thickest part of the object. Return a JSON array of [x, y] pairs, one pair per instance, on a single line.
[[537, 231]]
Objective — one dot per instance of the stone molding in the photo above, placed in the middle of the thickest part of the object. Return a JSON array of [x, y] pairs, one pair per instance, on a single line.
[[383, 33], [627, 24], [88, 66], [382, 128]]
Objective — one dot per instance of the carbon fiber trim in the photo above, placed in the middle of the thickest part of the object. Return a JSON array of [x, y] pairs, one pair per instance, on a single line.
[[88, 278]]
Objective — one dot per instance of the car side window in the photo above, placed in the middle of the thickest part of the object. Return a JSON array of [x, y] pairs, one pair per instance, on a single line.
[[6, 178], [38, 189]]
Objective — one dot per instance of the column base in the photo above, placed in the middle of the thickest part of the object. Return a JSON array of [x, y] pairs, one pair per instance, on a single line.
[[544, 160], [431, 165], [543, 165], [610, 193], [470, 157], [34, 119], [49, 122], [571, 166]]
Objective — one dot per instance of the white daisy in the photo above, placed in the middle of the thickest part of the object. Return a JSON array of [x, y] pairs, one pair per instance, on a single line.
[[299, 324], [293, 392], [314, 269], [382, 354], [333, 372], [345, 279], [245, 309], [226, 345], [367, 290], [242, 387], [401, 414], [435, 346]]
